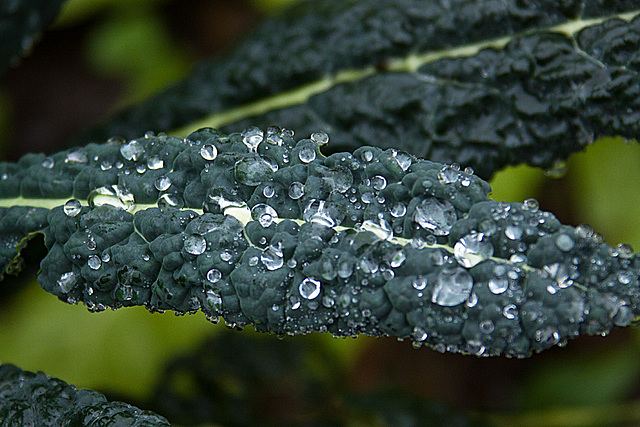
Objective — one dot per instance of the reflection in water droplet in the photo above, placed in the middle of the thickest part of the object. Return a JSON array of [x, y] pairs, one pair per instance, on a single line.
[[72, 207], [309, 288], [472, 249], [94, 262], [67, 281], [452, 287], [378, 182], [76, 157], [435, 215], [268, 191], [296, 190], [195, 244], [209, 152], [213, 275]]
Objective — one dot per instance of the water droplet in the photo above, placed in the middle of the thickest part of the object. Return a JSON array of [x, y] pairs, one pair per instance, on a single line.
[[320, 138], [564, 242], [419, 334], [72, 207], [307, 154], [67, 281], [155, 162], [132, 151], [435, 215], [624, 277], [472, 249], [209, 152], [345, 270], [624, 316], [419, 283], [448, 175], [115, 195], [452, 287], [272, 257], [48, 163], [368, 265], [309, 288], [367, 156], [94, 262], [252, 138], [531, 204], [225, 256], [398, 258], [625, 251], [253, 171], [76, 157], [296, 190], [253, 261], [214, 275], [398, 210], [162, 183], [498, 285], [195, 244], [170, 201], [294, 300], [264, 214], [560, 273], [214, 301], [105, 165], [381, 228], [403, 159], [585, 231], [316, 212], [327, 301], [513, 233], [510, 311], [378, 182], [486, 326], [268, 191]]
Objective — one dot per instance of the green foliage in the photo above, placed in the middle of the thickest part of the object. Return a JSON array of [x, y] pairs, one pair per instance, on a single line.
[[293, 237]]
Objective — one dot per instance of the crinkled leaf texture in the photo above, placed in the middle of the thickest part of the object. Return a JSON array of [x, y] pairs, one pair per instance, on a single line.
[[21, 21], [266, 231], [36, 399], [481, 83]]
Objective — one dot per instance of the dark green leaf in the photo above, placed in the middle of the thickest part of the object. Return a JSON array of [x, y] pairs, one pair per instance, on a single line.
[[261, 230], [30, 399], [482, 83], [21, 22]]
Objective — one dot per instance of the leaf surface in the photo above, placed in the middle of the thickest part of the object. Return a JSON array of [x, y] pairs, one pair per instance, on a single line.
[[481, 83], [29, 398], [21, 22], [259, 229]]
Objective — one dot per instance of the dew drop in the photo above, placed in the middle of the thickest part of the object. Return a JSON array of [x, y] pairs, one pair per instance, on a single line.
[[309, 288], [296, 190], [564, 242], [367, 156], [76, 157], [72, 208], [162, 183], [170, 201], [498, 285], [252, 138], [155, 162], [345, 270], [531, 204], [403, 160], [272, 257], [510, 311], [132, 151], [435, 215], [115, 195], [398, 258], [214, 275], [94, 262], [268, 191], [195, 244], [378, 182], [452, 287], [398, 210], [209, 152], [419, 283], [67, 281], [472, 249], [320, 138], [225, 256], [513, 233], [264, 214], [48, 163], [448, 175], [486, 326], [317, 212], [307, 154], [252, 171], [419, 334]]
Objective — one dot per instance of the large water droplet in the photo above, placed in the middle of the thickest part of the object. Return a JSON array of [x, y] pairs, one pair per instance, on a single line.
[[320, 138], [379, 182], [317, 212], [132, 151], [403, 159], [253, 171], [195, 244], [72, 207], [472, 249], [162, 183], [209, 152], [67, 281], [513, 232], [296, 190], [252, 138], [448, 175], [115, 195], [309, 288], [452, 287], [76, 157], [498, 285], [307, 154], [264, 214], [272, 257], [214, 275], [435, 215], [94, 262], [155, 162]]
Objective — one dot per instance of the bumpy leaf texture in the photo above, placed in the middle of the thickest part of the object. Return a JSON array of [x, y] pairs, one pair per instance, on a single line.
[[21, 22], [262, 230], [481, 83], [36, 399]]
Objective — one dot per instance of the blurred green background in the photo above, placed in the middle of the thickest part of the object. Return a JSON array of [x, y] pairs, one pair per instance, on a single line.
[[104, 54]]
